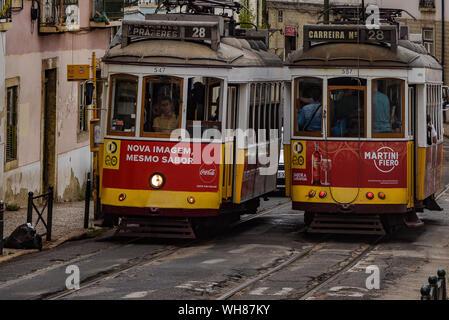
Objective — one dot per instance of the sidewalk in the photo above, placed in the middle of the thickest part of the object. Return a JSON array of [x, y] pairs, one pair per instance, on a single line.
[[68, 223]]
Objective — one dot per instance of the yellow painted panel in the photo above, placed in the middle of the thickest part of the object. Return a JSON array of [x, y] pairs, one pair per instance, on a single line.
[[288, 171], [393, 196], [421, 173], [240, 166], [161, 199]]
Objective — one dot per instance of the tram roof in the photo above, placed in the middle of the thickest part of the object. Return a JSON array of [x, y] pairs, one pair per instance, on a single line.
[[171, 39], [343, 51], [231, 52]]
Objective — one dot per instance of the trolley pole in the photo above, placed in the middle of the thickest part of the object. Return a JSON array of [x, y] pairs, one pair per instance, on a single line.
[[326, 11], [95, 120]]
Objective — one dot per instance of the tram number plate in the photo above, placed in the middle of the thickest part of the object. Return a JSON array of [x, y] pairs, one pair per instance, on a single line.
[[198, 32]]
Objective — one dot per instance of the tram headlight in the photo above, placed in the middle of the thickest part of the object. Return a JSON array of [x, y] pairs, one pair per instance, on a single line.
[[382, 195], [312, 193], [121, 197], [370, 195], [323, 194], [157, 180], [191, 200]]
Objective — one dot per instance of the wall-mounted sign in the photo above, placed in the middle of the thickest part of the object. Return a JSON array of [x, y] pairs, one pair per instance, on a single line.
[[77, 72], [290, 31]]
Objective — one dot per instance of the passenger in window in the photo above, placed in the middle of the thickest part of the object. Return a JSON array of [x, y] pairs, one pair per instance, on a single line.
[[345, 113], [431, 132], [381, 110], [195, 103], [309, 117], [167, 121]]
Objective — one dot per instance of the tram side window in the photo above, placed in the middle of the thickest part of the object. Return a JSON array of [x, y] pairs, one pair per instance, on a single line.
[[162, 103], [387, 108], [433, 117], [123, 103], [308, 106], [203, 103]]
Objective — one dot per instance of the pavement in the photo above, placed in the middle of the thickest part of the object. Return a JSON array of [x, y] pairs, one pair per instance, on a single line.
[[68, 223]]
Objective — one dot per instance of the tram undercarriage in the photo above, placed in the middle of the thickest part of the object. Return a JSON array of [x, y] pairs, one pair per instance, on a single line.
[[175, 223]]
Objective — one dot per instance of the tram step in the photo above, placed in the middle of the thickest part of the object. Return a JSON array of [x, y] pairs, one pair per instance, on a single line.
[[155, 228], [346, 224]]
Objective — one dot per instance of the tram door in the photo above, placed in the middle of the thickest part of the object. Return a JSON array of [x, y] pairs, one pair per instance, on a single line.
[[230, 144]]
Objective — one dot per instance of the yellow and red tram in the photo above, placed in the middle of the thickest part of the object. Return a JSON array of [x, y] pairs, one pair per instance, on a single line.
[[364, 136], [188, 96]]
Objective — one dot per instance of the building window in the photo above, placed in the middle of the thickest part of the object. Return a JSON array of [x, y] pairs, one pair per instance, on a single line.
[[427, 36], [280, 16], [427, 4], [82, 110], [11, 123]]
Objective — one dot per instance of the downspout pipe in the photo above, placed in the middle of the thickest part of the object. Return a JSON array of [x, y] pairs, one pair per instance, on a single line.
[[442, 37]]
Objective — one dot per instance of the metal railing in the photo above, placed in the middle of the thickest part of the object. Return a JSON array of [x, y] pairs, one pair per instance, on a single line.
[[48, 204], [5, 13], [436, 289]]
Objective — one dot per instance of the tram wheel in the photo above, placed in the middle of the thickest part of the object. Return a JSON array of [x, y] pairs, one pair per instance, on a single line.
[[109, 221], [308, 218]]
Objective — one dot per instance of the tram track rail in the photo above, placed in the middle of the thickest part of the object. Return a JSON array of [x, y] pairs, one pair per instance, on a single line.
[[109, 274], [297, 257]]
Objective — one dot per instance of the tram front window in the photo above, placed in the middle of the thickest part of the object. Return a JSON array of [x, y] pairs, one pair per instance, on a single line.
[[347, 112], [162, 104], [387, 106], [123, 103], [308, 105], [203, 103]]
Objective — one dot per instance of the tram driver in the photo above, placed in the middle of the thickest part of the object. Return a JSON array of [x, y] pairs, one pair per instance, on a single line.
[[167, 121]]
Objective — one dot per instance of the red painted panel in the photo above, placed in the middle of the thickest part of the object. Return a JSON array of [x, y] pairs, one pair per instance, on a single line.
[[140, 159], [341, 163]]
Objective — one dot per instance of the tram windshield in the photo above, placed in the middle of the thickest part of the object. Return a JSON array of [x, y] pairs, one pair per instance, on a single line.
[[347, 107], [309, 109], [203, 103], [162, 104], [387, 105], [123, 103]]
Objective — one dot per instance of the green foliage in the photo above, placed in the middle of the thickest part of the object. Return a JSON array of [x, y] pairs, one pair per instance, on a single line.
[[12, 207], [245, 17], [264, 15]]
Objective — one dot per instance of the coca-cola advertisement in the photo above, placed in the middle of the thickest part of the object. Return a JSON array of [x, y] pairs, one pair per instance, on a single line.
[[182, 165]]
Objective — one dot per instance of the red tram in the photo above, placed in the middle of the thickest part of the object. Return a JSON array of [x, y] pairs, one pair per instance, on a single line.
[[364, 137], [180, 86]]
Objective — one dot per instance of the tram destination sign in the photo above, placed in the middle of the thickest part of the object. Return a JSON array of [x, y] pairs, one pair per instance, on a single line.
[[348, 34], [169, 31]]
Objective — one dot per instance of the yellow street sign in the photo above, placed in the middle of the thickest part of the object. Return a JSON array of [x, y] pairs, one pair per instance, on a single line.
[[78, 72]]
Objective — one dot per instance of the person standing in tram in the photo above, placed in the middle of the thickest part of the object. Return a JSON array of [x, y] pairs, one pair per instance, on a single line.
[[431, 132], [309, 117], [167, 121], [381, 110]]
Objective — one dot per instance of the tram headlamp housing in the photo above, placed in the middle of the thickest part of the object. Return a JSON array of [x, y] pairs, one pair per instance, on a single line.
[[157, 180], [191, 199], [121, 197], [382, 195], [312, 193], [370, 195], [323, 194]]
